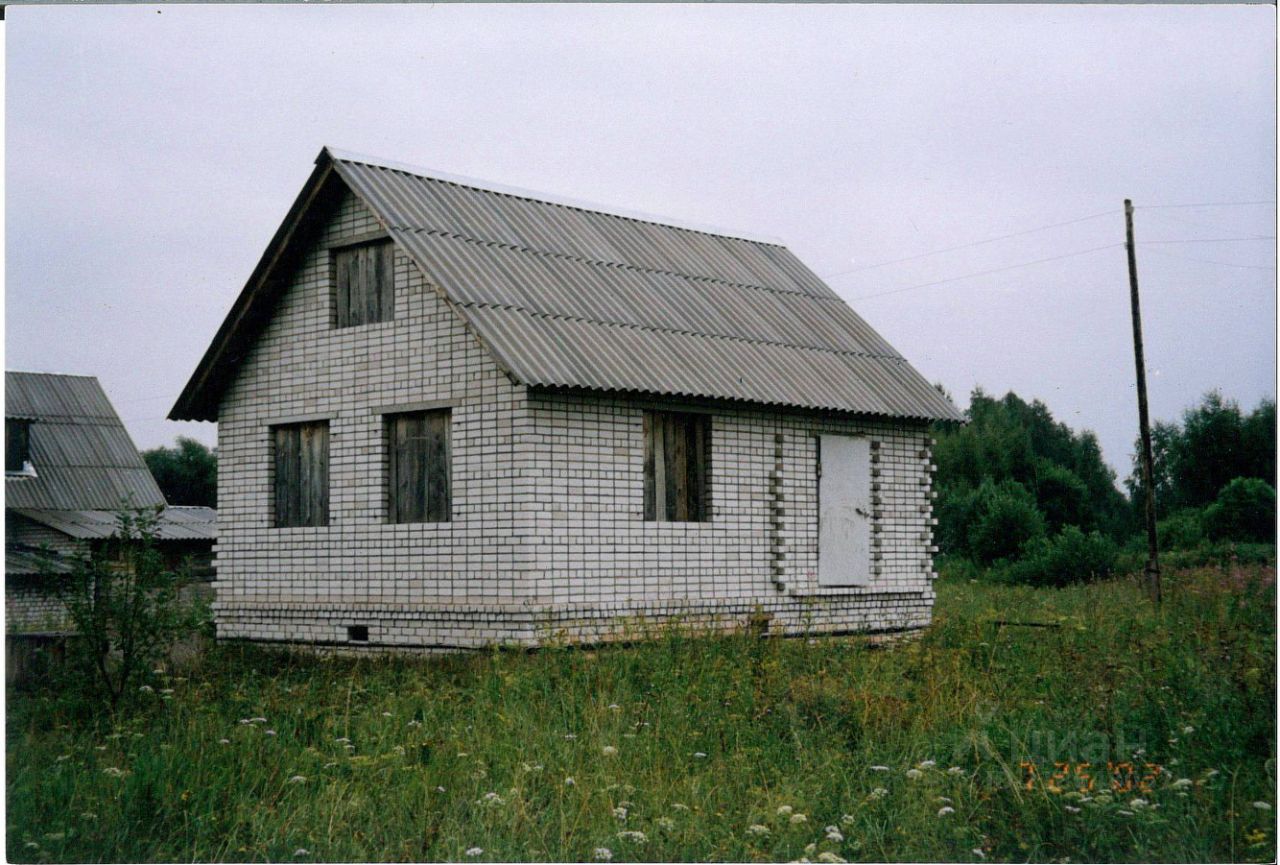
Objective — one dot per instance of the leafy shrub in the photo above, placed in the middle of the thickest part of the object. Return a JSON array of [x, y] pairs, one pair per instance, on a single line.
[[123, 604], [1244, 511], [1005, 518], [1069, 557], [1183, 530], [1062, 497]]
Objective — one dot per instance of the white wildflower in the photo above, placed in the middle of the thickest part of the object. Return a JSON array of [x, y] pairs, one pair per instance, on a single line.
[[489, 798], [879, 793], [166, 691], [1262, 806], [1181, 784], [666, 824], [955, 770], [679, 806], [847, 820], [474, 851], [834, 834], [926, 764], [1124, 813], [1138, 804], [602, 854], [62, 758], [810, 849], [438, 789], [828, 856], [943, 800], [341, 740], [608, 750], [757, 829], [1188, 730], [414, 723], [387, 715], [945, 810], [269, 732], [113, 772], [620, 812], [302, 851], [797, 819], [1071, 809], [1211, 772], [569, 782], [977, 851], [298, 779], [31, 845], [224, 741], [633, 836], [915, 774], [614, 707], [784, 810], [146, 689], [879, 768], [258, 720], [698, 755], [570, 736]]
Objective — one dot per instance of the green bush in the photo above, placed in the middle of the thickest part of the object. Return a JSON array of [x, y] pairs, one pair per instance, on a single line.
[[1244, 511], [1004, 518], [1183, 530], [1069, 557]]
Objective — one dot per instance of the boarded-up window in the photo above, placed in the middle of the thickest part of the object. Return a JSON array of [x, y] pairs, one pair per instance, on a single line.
[[17, 445], [301, 474], [675, 466], [364, 284], [418, 478]]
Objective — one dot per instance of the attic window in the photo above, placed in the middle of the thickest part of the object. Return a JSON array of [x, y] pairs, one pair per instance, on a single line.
[[363, 284], [17, 447]]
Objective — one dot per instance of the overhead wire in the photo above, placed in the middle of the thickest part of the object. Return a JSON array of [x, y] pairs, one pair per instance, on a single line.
[[987, 272], [969, 245]]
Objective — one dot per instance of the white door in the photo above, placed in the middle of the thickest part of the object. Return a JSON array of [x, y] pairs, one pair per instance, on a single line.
[[844, 511]]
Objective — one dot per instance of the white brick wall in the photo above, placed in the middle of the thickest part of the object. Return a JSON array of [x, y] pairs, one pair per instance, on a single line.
[[547, 535]]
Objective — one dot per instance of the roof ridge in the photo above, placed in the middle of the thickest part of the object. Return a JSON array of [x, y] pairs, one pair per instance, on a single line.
[[547, 197], [677, 331], [601, 261]]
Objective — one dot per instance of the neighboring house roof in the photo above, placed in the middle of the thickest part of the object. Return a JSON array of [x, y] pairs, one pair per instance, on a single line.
[[82, 454], [175, 523], [568, 297]]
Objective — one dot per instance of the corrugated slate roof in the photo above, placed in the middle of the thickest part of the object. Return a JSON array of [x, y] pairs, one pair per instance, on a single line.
[[174, 523], [82, 454], [566, 296]]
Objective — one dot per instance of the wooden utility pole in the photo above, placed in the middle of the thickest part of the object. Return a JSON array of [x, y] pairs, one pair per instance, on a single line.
[[1153, 559]]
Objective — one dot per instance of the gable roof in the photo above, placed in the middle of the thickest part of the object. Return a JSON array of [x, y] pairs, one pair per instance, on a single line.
[[567, 297], [82, 454]]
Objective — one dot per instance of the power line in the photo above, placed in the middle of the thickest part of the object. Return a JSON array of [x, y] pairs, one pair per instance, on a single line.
[[1195, 224], [1202, 204], [1212, 239], [968, 245], [1211, 261], [988, 272]]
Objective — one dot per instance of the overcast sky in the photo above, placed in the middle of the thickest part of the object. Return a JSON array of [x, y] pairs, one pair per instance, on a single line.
[[152, 151]]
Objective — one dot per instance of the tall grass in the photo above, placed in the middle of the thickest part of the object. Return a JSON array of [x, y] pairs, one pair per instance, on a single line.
[[1117, 733]]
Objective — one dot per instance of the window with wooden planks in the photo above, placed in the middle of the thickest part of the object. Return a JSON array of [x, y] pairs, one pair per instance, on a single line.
[[364, 284], [418, 467], [676, 455], [301, 461], [17, 446]]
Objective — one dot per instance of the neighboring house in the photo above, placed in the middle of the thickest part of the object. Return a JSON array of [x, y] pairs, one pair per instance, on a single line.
[[70, 467], [450, 415]]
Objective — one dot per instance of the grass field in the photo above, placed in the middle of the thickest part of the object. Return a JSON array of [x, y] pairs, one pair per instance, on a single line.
[[1120, 733]]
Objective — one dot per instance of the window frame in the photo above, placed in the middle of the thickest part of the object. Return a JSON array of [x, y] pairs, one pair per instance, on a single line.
[[340, 313], [684, 494], [310, 511], [436, 466], [25, 467]]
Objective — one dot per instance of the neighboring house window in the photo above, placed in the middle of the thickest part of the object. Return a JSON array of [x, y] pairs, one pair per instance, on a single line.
[[301, 462], [419, 476], [675, 466], [364, 284], [17, 447]]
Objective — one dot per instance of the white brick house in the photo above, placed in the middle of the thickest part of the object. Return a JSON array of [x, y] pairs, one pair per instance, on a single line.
[[450, 415]]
